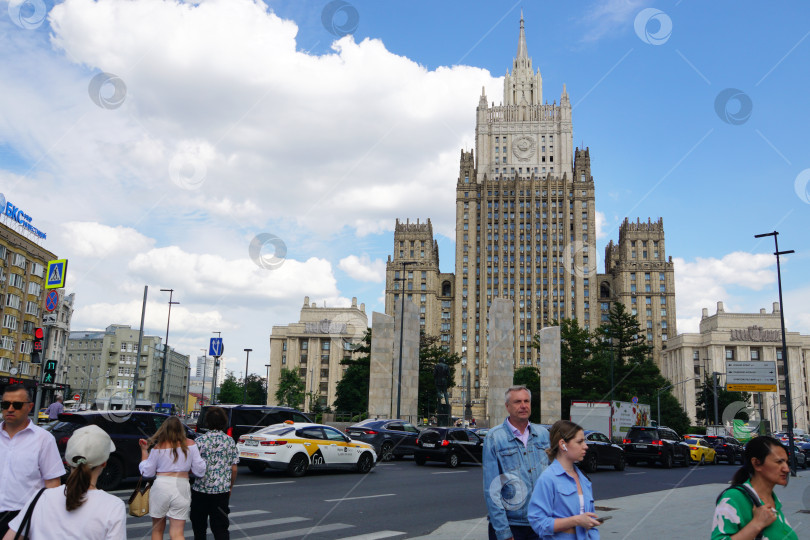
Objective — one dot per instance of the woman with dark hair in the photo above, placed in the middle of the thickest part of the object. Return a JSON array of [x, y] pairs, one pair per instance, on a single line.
[[749, 509], [78, 510], [562, 502], [211, 494], [170, 496]]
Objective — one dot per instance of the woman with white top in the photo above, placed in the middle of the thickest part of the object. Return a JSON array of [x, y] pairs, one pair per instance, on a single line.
[[77, 510], [171, 458]]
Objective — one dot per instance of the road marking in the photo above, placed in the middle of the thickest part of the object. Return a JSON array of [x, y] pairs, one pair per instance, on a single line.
[[632, 473], [232, 515], [374, 535], [363, 497], [300, 533], [266, 483], [449, 472]]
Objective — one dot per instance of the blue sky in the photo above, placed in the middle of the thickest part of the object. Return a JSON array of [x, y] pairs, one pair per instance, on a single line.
[[235, 119]]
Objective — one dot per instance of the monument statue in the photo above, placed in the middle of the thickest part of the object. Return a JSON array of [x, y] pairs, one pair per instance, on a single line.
[[441, 377]]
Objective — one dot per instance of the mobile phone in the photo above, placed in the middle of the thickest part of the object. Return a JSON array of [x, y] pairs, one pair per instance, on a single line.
[[603, 519]]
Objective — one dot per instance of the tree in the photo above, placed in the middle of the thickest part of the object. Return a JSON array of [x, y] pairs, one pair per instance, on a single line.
[[529, 376], [230, 391], [256, 390], [576, 364], [290, 389], [351, 394], [705, 402], [431, 352]]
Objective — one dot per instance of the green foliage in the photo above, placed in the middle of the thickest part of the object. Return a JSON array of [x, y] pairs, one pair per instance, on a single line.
[[290, 389], [431, 353], [705, 402], [256, 390], [530, 377], [230, 391], [351, 394]]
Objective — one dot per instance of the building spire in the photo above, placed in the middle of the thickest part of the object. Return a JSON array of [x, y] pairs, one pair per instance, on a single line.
[[522, 51]]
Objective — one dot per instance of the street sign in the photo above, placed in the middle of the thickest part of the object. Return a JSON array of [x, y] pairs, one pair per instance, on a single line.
[[216, 348], [755, 376], [51, 300], [77, 397], [49, 375], [57, 271]]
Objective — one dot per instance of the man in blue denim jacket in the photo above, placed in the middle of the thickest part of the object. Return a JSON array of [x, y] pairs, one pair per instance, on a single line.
[[514, 458]]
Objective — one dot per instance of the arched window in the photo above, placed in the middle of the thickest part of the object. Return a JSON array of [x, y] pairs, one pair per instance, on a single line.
[[446, 290], [604, 290]]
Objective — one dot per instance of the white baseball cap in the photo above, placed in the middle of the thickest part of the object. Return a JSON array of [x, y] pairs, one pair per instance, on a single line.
[[90, 445]]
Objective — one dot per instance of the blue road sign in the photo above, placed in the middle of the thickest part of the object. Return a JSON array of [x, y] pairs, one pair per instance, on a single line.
[[51, 300], [216, 349], [57, 271]]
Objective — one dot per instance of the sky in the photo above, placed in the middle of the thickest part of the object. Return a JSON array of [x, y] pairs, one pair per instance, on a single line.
[[247, 154]]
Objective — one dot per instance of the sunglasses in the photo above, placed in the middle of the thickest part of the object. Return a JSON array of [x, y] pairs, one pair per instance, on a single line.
[[18, 405]]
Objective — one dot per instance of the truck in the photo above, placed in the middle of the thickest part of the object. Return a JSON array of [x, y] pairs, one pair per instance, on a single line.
[[613, 419]]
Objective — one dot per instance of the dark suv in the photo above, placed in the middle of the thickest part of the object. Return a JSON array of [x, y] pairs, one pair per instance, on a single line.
[[390, 438], [728, 449], [248, 418], [124, 428], [450, 445], [655, 444]]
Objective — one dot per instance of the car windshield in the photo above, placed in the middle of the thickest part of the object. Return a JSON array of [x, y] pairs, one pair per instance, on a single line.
[[692, 441], [366, 423], [642, 435], [276, 430]]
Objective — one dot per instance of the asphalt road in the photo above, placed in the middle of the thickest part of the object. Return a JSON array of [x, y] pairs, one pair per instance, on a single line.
[[397, 499]]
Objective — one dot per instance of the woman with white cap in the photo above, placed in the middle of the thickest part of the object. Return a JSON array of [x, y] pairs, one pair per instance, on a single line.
[[77, 510]]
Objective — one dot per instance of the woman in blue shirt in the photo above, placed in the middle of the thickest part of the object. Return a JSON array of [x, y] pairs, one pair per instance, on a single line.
[[561, 506]]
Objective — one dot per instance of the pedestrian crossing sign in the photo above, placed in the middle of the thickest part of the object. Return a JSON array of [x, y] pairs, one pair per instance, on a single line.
[[57, 271]]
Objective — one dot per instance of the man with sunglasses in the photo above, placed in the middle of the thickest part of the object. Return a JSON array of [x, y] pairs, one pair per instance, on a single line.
[[29, 458]]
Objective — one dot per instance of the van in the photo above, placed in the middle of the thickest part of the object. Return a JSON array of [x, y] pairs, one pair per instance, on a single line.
[[249, 418]]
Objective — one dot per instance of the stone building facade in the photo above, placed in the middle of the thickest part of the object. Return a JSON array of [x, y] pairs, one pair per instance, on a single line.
[[741, 337], [314, 347]]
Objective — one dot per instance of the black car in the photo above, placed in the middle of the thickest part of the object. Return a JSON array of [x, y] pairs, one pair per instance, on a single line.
[[601, 451], [390, 438], [124, 428], [655, 444], [450, 445], [249, 418], [728, 449]]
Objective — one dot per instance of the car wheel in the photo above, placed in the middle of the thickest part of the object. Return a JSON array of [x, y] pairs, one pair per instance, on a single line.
[[419, 460], [112, 474], [702, 460], [667, 461], [298, 465], [387, 451], [452, 460], [591, 463], [256, 467], [620, 464], [631, 462], [365, 463]]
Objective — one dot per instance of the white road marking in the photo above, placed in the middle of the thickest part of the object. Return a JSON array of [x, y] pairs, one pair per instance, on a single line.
[[300, 533], [232, 515], [374, 535], [363, 497], [449, 472]]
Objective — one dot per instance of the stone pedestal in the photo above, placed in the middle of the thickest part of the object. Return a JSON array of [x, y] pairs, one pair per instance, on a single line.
[[550, 378], [500, 357], [410, 361], [382, 366], [443, 415]]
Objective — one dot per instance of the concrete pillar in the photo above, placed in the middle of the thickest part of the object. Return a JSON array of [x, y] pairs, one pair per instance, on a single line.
[[500, 356], [550, 379], [410, 361], [382, 362]]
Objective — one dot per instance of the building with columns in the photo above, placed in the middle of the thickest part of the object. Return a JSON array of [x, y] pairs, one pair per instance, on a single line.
[[743, 337]]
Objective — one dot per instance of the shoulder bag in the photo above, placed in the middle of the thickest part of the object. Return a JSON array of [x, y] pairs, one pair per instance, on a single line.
[[139, 500], [25, 524], [752, 496]]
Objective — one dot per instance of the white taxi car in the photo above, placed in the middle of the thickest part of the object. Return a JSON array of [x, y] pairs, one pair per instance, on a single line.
[[295, 447]]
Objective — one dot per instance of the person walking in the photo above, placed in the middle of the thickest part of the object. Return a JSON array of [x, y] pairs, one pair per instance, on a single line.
[[562, 502], [170, 459], [749, 508], [55, 409], [210, 495], [78, 511], [514, 457], [29, 458]]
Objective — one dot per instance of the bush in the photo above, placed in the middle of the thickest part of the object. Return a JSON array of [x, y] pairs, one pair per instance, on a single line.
[[697, 430]]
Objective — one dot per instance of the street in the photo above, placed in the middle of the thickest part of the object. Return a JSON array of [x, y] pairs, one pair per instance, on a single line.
[[397, 499]]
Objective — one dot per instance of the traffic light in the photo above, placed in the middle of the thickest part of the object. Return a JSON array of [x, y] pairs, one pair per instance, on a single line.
[[36, 353], [49, 376]]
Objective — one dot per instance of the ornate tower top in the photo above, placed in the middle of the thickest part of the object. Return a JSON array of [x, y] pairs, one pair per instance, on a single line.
[[522, 86]]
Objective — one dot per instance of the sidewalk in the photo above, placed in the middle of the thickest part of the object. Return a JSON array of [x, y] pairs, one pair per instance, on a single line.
[[676, 513]]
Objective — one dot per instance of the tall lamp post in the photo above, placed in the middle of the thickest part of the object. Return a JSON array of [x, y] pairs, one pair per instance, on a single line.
[[244, 381], [205, 368], [267, 385], [776, 252], [166, 343], [405, 265], [658, 391]]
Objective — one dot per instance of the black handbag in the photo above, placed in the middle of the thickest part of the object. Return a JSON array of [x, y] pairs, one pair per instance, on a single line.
[[25, 524]]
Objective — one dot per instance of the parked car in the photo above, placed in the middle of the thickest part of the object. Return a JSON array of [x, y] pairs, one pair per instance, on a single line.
[[728, 448], [124, 428], [655, 444], [482, 432], [297, 447], [42, 415], [449, 445], [248, 418], [390, 438], [601, 451], [700, 451], [801, 458]]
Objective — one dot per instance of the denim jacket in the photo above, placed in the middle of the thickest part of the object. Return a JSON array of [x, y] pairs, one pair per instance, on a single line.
[[555, 496], [510, 472]]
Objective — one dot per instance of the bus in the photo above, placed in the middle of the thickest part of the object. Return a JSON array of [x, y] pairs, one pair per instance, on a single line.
[[165, 408]]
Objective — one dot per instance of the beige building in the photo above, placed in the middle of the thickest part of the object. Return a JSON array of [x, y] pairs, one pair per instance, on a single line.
[[639, 275], [102, 365], [314, 347], [741, 337]]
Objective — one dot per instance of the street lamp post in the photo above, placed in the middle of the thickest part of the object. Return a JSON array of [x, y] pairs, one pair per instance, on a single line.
[[405, 265], [267, 385], [205, 368], [667, 388], [791, 444], [244, 381], [166, 343]]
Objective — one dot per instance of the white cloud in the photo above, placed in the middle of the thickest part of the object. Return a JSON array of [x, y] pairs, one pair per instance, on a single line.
[[606, 17], [363, 268], [601, 232], [95, 240]]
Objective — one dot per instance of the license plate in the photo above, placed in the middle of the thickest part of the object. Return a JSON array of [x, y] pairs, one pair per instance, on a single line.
[[641, 446], [251, 443], [428, 445], [355, 434], [248, 454]]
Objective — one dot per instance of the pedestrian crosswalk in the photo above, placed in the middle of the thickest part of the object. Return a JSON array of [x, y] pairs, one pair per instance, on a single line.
[[258, 525]]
